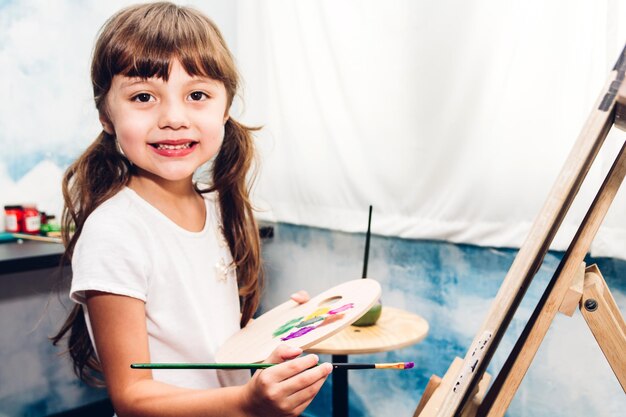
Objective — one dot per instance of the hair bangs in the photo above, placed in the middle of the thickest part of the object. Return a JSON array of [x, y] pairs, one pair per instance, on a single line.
[[202, 51], [141, 41], [143, 64], [152, 42]]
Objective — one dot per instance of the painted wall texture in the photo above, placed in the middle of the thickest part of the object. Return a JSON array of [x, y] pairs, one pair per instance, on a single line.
[[35, 380], [451, 286]]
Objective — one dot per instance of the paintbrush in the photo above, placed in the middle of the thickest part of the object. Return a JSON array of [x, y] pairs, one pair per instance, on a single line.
[[25, 236], [395, 365]]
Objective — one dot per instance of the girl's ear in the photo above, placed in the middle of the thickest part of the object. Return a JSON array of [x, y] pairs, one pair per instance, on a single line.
[[226, 117], [107, 126]]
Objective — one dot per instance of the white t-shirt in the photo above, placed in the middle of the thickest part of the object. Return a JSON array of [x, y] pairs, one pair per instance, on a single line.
[[128, 247]]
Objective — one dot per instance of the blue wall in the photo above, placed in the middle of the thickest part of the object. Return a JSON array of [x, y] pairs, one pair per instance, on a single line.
[[452, 287], [35, 380]]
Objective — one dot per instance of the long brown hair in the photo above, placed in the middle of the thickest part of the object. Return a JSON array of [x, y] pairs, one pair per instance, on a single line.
[[141, 41]]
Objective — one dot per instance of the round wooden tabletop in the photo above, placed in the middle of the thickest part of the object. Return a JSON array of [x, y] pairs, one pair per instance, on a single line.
[[394, 329]]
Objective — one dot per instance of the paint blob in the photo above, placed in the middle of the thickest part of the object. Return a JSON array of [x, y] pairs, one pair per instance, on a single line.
[[331, 319], [317, 313], [287, 326], [298, 333], [309, 322], [342, 308], [304, 325]]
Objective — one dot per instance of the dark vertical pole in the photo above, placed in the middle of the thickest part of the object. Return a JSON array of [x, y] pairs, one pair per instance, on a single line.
[[367, 244], [340, 376], [340, 388]]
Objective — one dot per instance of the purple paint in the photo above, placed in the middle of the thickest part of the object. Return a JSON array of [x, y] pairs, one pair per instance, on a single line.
[[305, 326], [342, 308], [298, 333]]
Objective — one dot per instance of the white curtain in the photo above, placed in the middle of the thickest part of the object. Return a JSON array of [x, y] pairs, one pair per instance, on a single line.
[[452, 118]]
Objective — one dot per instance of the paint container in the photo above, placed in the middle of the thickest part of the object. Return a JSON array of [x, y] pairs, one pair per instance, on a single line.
[[32, 220], [13, 218], [371, 316], [50, 227]]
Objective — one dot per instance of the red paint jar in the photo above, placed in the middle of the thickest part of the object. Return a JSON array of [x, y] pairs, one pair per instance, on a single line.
[[13, 218], [32, 220]]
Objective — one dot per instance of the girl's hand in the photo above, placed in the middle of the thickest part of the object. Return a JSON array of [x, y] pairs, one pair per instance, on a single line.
[[288, 388], [300, 297]]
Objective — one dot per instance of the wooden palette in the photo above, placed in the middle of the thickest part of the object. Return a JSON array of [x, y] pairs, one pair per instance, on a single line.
[[301, 325]]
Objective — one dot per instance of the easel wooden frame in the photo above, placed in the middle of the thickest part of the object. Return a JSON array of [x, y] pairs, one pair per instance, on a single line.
[[589, 293], [460, 393], [603, 317]]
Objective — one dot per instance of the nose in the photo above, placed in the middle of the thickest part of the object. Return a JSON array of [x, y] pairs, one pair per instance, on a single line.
[[173, 115]]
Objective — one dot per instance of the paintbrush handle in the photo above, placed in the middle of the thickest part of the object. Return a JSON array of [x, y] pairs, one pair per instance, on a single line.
[[25, 236], [201, 365], [398, 365], [353, 365]]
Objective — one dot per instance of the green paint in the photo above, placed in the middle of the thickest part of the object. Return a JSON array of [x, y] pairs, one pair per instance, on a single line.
[[287, 326], [309, 321]]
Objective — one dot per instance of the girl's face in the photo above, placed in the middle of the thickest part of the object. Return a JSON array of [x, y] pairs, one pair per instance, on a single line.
[[167, 129]]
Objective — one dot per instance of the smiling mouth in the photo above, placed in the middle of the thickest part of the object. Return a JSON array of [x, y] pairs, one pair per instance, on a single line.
[[173, 147]]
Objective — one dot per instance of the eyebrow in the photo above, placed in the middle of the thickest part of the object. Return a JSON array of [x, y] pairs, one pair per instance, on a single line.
[[132, 82], [198, 79]]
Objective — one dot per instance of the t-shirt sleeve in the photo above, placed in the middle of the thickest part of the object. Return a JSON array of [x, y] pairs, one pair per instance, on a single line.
[[110, 256]]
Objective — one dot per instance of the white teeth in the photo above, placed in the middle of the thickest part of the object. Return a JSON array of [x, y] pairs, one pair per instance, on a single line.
[[174, 147]]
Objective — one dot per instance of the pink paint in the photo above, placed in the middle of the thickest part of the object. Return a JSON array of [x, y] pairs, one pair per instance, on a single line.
[[331, 319], [306, 325], [342, 308]]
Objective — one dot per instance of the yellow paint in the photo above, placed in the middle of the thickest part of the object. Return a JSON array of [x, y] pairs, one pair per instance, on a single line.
[[319, 312]]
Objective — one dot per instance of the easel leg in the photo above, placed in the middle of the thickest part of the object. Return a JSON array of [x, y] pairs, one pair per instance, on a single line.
[[435, 390], [605, 321], [433, 383], [510, 377]]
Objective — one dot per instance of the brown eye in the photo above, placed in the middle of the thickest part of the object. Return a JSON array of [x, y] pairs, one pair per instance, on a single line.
[[142, 97], [197, 96]]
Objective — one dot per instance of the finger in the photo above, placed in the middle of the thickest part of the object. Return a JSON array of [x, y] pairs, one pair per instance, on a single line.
[[289, 369], [304, 397], [300, 297], [309, 384], [305, 378], [283, 353]]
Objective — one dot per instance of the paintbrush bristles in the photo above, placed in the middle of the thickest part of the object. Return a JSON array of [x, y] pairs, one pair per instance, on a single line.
[[397, 365]]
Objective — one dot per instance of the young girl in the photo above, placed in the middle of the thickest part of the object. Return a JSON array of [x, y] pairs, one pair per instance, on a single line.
[[160, 264]]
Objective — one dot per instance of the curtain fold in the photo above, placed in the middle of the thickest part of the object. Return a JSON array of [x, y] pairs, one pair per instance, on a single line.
[[451, 118]]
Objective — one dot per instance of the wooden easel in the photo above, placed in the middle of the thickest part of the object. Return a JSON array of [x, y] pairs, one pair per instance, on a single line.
[[462, 392], [588, 292]]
